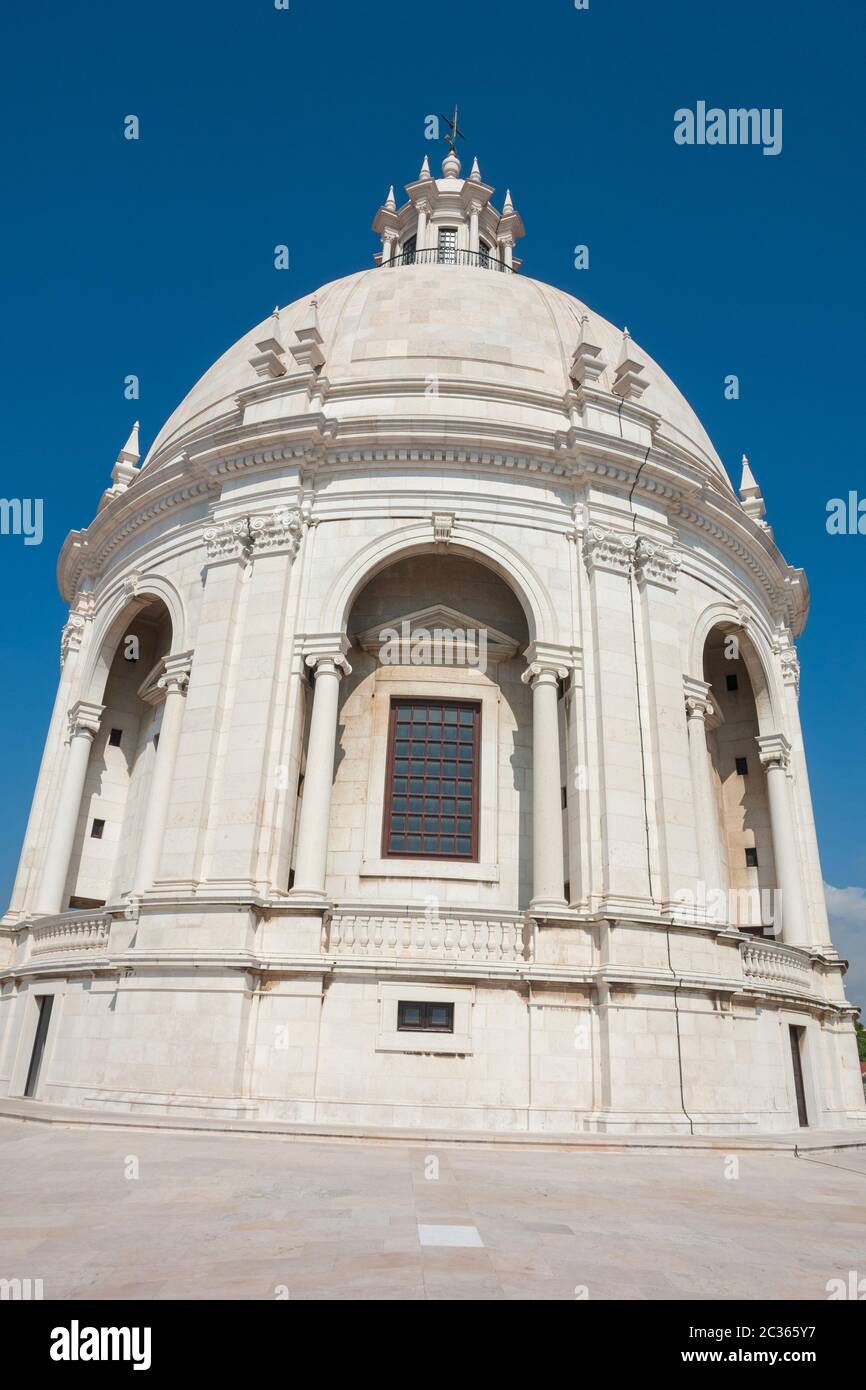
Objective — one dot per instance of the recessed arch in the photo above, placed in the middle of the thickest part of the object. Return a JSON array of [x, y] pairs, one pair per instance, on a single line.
[[471, 543], [113, 617], [756, 654]]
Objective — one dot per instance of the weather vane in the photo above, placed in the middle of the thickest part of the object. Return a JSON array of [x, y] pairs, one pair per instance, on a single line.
[[453, 131]]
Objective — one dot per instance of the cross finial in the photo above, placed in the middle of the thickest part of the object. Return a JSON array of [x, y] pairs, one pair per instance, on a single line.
[[454, 132]]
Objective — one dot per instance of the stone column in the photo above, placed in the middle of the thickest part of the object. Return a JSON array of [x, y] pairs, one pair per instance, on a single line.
[[83, 727], [421, 230], [699, 709], [775, 752], [312, 855], [548, 860], [507, 249], [474, 210], [174, 683], [387, 248]]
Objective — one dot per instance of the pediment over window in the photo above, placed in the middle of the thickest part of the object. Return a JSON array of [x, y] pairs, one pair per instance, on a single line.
[[150, 690], [437, 636]]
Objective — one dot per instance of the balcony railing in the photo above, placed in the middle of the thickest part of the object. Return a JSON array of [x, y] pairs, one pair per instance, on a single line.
[[423, 937], [449, 256], [777, 965]]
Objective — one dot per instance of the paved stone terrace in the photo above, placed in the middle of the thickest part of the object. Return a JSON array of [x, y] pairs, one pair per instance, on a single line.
[[246, 1217]]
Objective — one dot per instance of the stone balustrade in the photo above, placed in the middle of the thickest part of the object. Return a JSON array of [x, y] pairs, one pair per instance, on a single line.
[[765, 962], [427, 937], [70, 933]]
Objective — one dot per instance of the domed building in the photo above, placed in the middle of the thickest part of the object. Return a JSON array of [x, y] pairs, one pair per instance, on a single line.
[[426, 752]]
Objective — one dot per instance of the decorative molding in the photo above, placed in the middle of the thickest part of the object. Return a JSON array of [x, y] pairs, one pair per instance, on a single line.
[[280, 529], [443, 525], [656, 564], [611, 551], [446, 631], [784, 648], [72, 635]]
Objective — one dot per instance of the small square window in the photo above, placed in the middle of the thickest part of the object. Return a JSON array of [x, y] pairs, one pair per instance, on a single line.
[[416, 1017], [96, 829], [114, 737], [751, 858], [731, 682], [742, 767]]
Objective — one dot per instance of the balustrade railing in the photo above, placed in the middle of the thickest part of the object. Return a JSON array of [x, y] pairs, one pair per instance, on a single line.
[[773, 964], [449, 256], [433, 937], [70, 933]]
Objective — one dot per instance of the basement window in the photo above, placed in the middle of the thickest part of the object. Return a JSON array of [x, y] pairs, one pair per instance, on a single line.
[[416, 1017], [751, 858], [742, 767], [96, 829]]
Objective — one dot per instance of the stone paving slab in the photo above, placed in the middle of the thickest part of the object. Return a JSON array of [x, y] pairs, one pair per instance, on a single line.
[[138, 1214]]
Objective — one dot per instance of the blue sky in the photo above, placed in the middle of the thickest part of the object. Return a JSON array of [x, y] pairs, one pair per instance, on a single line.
[[261, 126]]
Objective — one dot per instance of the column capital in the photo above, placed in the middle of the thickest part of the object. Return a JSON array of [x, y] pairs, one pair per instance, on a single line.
[[83, 719], [774, 749], [325, 649], [613, 551], [656, 564], [175, 677], [698, 698], [546, 661]]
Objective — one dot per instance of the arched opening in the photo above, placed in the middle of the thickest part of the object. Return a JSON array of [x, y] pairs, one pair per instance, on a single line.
[[433, 768], [739, 782], [120, 765]]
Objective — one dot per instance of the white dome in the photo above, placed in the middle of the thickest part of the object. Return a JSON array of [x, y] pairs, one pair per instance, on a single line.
[[510, 337]]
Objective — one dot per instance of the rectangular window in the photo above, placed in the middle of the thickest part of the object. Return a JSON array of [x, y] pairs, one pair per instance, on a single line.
[[409, 246], [96, 829], [447, 246], [431, 780], [751, 859], [415, 1017], [732, 683], [742, 767], [484, 254], [114, 737]]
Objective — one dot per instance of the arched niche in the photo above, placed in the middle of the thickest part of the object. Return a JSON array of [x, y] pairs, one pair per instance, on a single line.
[[125, 680]]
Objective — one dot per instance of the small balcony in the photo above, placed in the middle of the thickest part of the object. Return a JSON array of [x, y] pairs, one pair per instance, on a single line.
[[449, 255]]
